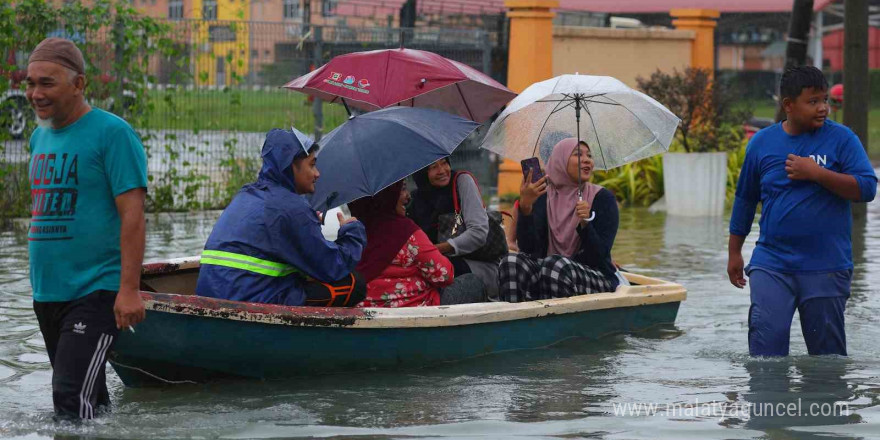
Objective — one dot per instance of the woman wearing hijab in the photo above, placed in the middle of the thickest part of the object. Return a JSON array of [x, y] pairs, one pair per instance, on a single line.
[[565, 242], [434, 198], [400, 264]]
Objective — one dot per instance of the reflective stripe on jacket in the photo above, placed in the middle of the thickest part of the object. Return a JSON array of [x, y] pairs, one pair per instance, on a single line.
[[244, 262]]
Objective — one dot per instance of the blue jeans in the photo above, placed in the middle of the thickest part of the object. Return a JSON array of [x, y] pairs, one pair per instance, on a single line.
[[820, 299]]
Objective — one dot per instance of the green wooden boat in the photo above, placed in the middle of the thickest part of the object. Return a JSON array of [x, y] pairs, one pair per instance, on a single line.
[[187, 338]]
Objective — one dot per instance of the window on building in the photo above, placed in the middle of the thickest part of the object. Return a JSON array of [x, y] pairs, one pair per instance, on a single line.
[[291, 9], [328, 7], [175, 9], [209, 10]]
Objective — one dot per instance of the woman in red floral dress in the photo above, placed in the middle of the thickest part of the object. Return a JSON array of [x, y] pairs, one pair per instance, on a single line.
[[401, 265]]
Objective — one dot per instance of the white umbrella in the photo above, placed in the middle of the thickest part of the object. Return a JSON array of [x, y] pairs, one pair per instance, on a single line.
[[621, 125]]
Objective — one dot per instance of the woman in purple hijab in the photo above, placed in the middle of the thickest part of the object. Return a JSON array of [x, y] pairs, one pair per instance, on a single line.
[[565, 231]]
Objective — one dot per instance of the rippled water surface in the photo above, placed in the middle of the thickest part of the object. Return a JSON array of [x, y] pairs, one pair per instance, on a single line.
[[697, 372]]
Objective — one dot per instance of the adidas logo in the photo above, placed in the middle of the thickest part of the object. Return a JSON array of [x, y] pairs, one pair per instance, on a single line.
[[79, 328]]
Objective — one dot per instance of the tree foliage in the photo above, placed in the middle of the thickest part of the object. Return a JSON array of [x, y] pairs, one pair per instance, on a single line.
[[119, 46], [710, 111]]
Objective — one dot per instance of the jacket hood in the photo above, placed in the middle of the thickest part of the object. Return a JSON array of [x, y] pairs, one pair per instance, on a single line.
[[279, 151]]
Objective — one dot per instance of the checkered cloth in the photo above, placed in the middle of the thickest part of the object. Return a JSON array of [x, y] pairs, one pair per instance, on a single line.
[[523, 278]]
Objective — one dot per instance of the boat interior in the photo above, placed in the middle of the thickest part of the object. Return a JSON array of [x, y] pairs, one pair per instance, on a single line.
[[180, 275], [177, 275]]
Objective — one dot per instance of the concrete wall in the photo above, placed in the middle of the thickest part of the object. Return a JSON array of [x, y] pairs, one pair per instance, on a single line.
[[622, 53]]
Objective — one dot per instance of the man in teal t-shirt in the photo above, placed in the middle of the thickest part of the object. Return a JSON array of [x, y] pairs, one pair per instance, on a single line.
[[88, 176]]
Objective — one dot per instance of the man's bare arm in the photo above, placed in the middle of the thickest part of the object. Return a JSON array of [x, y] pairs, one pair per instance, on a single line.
[[129, 308]]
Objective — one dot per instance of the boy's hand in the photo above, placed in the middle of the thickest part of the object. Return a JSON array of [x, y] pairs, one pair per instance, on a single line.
[[735, 270], [802, 168]]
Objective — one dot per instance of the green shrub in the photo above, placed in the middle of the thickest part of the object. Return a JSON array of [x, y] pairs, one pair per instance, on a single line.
[[635, 184], [709, 110], [735, 161]]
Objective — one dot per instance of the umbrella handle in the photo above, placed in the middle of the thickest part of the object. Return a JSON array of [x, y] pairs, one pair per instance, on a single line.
[[581, 199], [327, 203]]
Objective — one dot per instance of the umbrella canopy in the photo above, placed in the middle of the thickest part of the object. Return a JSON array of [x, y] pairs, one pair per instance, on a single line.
[[406, 77], [371, 151], [620, 124]]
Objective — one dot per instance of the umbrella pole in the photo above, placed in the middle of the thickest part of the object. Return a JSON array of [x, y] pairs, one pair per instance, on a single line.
[[345, 104], [577, 116]]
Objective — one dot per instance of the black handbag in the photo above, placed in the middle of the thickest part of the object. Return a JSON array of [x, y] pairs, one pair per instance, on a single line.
[[452, 225]]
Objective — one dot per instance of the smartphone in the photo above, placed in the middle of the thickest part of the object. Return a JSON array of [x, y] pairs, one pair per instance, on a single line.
[[534, 165]]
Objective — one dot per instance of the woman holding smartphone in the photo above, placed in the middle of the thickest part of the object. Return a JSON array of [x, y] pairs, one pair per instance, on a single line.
[[565, 231], [433, 198]]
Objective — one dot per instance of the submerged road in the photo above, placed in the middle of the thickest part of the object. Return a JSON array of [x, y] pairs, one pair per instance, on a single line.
[[693, 380]]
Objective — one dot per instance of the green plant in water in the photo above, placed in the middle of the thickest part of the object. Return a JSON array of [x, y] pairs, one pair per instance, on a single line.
[[239, 172], [735, 160], [117, 43], [635, 184]]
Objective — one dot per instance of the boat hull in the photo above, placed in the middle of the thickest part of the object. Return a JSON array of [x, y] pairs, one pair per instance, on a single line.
[[186, 338], [181, 352]]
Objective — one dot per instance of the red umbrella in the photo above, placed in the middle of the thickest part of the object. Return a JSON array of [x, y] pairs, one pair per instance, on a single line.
[[415, 78]]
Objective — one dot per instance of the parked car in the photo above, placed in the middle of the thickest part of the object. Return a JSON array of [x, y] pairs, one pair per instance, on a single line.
[[755, 124], [15, 111]]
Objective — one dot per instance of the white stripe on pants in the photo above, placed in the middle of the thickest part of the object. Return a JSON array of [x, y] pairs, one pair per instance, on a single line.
[[86, 411]]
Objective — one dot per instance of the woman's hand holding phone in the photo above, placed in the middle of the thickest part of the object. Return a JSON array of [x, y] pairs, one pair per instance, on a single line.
[[530, 191], [532, 164]]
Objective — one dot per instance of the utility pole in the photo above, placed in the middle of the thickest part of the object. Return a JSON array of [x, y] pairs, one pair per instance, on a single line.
[[408, 14], [307, 16], [855, 68], [318, 60], [855, 76], [798, 37], [818, 34]]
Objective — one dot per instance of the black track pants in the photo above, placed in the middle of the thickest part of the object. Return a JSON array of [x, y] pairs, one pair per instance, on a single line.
[[78, 335]]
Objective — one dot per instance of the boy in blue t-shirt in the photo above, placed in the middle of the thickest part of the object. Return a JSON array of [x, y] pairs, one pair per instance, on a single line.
[[805, 171]]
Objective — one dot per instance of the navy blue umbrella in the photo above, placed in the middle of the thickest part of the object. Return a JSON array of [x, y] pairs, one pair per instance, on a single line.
[[373, 150]]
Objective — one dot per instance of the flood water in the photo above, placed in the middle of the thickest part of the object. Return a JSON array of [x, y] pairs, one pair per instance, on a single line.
[[697, 373]]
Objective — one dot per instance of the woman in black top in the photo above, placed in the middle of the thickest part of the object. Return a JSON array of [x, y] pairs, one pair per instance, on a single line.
[[434, 198], [565, 232]]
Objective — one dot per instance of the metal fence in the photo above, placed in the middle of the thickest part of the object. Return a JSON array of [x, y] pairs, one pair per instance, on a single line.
[[763, 85], [210, 104]]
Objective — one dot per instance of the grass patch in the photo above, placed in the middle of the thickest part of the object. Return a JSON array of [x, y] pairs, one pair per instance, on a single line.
[[768, 110], [236, 110]]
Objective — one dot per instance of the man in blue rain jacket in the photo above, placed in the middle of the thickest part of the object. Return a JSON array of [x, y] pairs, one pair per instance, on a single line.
[[267, 246]]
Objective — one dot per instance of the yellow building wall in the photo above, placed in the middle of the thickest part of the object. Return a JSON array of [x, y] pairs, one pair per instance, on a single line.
[[625, 54], [223, 40]]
